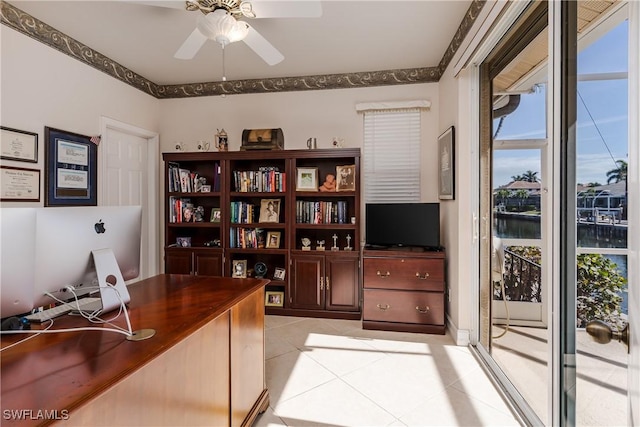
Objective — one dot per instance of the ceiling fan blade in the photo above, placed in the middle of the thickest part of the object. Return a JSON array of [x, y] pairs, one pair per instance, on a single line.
[[286, 9], [262, 47], [172, 4], [191, 45]]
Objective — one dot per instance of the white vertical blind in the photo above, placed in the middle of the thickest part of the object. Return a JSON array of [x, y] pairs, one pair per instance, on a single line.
[[391, 160]]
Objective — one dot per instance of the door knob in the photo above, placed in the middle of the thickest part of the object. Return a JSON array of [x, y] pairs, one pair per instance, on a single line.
[[602, 333]]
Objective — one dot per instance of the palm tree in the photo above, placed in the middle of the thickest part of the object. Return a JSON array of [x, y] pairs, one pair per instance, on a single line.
[[530, 176], [618, 174], [517, 178]]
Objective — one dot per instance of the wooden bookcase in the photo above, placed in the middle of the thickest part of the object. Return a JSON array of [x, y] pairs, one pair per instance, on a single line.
[[318, 280]]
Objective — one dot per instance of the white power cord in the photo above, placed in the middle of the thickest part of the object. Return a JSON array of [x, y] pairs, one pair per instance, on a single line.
[[92, 317]]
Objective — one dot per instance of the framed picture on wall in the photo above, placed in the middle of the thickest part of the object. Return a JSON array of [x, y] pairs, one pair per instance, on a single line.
[[446, 165], [19, 145], [71, 169]]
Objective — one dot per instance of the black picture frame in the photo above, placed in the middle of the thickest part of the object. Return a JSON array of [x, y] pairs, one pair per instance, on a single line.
[[446, 165], [19, 145], [71, 169]]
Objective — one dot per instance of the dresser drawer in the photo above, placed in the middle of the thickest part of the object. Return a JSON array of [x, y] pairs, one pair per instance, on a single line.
[[404, 273], [404, 306]]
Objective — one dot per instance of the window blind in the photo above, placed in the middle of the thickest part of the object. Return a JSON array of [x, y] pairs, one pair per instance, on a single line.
[[391, 160]]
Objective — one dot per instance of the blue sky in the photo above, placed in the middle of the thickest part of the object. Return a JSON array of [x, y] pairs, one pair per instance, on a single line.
[[605, 101]]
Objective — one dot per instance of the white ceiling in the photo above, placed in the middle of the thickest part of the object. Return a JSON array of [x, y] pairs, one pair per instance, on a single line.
[[351, 36]]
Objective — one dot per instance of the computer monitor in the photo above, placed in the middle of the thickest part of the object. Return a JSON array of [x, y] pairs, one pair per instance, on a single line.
[[17, 260], [70, 239]]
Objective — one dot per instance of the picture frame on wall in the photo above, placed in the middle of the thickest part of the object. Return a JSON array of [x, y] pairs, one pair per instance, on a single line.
[[18, 145], [19, 184], [446, 165], [71, 169]]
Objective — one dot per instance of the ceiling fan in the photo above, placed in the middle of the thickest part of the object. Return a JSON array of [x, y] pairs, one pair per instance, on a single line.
[[221, 21]]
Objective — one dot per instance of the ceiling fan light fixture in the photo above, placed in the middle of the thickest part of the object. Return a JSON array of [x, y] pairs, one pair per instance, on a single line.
[[220, 26]]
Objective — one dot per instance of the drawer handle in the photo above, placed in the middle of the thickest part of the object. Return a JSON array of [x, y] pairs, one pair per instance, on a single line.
[[422, 310], [383, 275], [423, 277], [384, 307]]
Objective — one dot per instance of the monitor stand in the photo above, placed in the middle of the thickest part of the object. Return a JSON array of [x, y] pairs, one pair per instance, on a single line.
[[113, 289]]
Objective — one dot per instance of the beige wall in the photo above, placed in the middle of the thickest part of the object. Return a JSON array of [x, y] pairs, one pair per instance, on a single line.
[[43, 87], [320, 114]]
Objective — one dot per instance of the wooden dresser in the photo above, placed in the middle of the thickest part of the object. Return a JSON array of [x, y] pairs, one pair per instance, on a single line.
[[404, 291]]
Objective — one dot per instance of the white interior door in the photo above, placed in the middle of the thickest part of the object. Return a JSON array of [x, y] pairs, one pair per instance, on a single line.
[[128, 175]]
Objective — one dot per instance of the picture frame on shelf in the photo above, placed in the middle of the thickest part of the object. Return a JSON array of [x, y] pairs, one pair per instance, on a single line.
[[71, 169], [273, 240], [205, 188], [188, 213], [183, 242], [18, 145], [346, 178], [279, 273], [239, 269], [446, 165], [274, 299], [20, 184], [216, 215], [306, 179], [269, 210]]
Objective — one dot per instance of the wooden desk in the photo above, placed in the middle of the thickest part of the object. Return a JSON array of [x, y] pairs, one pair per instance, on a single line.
[[204, 366]]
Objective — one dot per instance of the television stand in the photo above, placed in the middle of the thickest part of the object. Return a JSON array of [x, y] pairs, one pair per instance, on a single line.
[[404, 290]]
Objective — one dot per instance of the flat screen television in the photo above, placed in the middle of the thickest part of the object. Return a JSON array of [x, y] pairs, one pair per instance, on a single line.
[[403, 225]]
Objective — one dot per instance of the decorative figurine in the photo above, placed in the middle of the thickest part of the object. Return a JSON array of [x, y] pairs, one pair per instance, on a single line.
[[348, 247], [329, 183], [320, 246], [180, 146], [222, 140], [335, 243], [306, 244]]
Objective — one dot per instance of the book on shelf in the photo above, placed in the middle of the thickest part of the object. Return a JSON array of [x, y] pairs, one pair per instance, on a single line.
[[321, 212], [178, 206], [242, 212], [182, 180], [264, 180], [244, 238]]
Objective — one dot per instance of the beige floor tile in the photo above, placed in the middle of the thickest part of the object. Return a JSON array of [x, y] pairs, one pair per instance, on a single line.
[[275, 346], [269, 419], [454, 408], [276, 321], [398, 382], [478, 385], [293, 373], [340, 354], [335, 404]]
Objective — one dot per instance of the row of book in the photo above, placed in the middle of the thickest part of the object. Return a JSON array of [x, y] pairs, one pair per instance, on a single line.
[[243, 212], [181, 210], [186, 181], [260, 181], [319, 212], [247, 238]]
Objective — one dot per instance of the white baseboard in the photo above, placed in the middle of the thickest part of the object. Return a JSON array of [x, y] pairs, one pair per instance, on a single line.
[[460, 336]]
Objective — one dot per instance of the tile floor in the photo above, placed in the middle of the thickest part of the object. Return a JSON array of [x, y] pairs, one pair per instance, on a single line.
[[323, 372]]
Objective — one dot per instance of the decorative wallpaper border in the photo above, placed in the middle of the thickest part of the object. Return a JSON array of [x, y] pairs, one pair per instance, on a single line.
[[40, 31]]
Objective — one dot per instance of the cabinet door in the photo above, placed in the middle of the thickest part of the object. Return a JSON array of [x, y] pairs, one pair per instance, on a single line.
[[342, 283], [178, 261], [207, 263], [305, 287]]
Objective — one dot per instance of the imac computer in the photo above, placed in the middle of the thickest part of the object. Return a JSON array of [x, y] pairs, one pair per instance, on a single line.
[[89, 249], [17, 260]]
